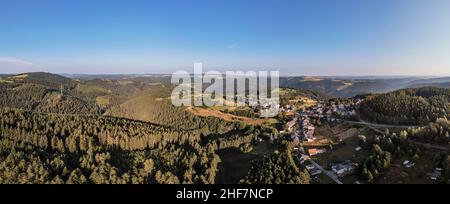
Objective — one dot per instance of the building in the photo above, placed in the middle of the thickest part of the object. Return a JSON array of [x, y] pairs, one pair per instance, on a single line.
[[315, 172], [436, 174], [343, 169], [295, 140], [408, 163], [314, 151], [303, 158], [307, 129], [310, 167], [311, 129], [291, 124]]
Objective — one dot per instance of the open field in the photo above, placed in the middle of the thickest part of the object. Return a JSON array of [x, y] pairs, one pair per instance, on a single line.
[[19, 77], [91, 90], [327, 134], [102, 101], [347, 134], [342, 151], [228, 117], [3, 81], [399, 174]]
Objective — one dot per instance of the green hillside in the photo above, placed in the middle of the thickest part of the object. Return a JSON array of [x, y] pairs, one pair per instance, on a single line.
[[408, 106]]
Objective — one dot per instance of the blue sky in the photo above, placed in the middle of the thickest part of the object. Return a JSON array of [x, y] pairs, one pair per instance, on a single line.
[[301, 37]]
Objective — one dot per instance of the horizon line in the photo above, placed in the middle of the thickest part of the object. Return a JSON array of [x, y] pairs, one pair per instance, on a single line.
[[143, 74]]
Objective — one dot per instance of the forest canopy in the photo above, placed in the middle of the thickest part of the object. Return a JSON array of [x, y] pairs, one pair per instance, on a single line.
[[408, 106]]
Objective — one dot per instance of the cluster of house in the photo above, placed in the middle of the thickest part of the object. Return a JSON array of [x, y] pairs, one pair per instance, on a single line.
[[340, 169], [301, 129], [304, 131], [303, 155], [292, 124], [271, 105], [331, 111], [307, 129], [286, 108], [344, 168]]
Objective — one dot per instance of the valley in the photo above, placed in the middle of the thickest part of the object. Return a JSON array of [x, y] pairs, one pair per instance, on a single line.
[[124, 129]]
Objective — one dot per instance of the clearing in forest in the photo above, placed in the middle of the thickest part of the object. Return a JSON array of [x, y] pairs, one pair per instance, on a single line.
[[225, 116]]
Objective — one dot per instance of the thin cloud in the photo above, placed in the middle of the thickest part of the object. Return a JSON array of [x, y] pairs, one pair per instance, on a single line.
[[14, 61], [234, 45]]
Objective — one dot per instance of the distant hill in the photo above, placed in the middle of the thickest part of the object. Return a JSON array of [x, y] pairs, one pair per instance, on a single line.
[[336, 87], [352, 86], [5, 75], [445, 85], [430, 80], [49, 80], [41, 92]]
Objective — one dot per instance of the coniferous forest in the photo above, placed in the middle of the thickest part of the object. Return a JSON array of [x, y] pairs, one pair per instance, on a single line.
[[408, 106], [55, 132]]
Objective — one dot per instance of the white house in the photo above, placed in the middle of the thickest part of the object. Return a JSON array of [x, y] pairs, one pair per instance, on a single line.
[[408, 163], [342, 169]]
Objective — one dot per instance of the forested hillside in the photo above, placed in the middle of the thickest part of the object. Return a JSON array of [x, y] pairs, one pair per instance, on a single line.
[[39, 98], [49, 148], [352, 86], [408, 106], [49, 80], [125, 130], [59, 135], [278, 168], [26, 96], [438, 132]]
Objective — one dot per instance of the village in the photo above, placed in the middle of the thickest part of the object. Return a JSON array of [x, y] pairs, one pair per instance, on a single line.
[[301, 131]]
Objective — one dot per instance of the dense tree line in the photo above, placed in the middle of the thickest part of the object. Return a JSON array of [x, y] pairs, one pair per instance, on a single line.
[[383, 149], [249, 113], [235, 141], [42, 99], [278, 168], [52, 81], [49, 137], [66, 104], [375, 164], [434, 132], [92, 149], [27, 96], [407, 107]]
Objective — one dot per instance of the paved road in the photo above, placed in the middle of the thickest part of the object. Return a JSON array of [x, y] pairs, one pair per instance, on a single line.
[[373, 126], [330, 174], [361, 122], [367, 125], [430, 146]]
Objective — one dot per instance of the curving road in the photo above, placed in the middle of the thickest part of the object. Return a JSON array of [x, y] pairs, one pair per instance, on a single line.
[[362, 122], [374, 126]]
